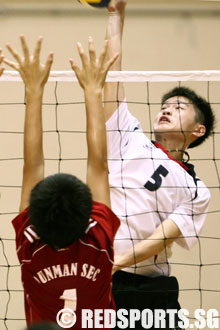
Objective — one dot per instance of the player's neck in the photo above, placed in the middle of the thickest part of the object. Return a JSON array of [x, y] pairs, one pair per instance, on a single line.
[[175, 151]]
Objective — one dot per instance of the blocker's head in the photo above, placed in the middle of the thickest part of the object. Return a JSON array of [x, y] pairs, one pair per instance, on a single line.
[[184, 115], [60, 208]]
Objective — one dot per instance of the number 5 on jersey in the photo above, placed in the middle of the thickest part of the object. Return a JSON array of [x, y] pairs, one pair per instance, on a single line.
[[160, 172]]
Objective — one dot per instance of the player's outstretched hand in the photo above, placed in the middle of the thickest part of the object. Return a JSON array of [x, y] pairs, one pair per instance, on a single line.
[[94, 70], [1, 60], [33, 73], [118, 6]]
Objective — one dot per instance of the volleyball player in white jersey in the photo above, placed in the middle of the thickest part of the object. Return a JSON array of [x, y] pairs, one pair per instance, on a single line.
[[156, 195]]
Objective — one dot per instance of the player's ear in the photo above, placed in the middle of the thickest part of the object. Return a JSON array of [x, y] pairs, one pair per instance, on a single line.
[[199, 131]]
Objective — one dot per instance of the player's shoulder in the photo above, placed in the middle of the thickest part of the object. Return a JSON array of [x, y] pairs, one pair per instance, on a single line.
[[20, 222], [103, 222], [101, 211], [27, 240]]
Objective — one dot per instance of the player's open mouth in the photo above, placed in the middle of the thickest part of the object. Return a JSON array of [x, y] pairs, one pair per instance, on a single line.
[[164, 119]]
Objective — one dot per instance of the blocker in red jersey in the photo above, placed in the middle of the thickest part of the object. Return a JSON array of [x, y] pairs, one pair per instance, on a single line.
[[65, 228]]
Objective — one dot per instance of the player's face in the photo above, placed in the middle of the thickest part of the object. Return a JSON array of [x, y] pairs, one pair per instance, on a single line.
[[176, 119]]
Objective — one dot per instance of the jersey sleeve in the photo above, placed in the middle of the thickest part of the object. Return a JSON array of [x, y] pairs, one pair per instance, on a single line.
[[190, 216], [119, 128], [106, 219], [20, 223]]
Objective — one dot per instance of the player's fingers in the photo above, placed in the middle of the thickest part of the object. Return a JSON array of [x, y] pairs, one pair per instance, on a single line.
[[1, 71], [49, 62], [82, 54], [111, 61], [75, 68], [92, 53], [108, 65], [38, 49], [111, 8], [1, 56], [15, 54], [103, 53], [13, 65], [25, 48], [77, 71]]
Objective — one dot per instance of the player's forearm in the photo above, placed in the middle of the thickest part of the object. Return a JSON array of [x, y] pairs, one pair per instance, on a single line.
[[164, 235], [96, 133], [114, 37], [33, 143], [114, 92]]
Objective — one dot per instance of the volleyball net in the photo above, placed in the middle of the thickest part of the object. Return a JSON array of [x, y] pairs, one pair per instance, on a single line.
[[65, 150]]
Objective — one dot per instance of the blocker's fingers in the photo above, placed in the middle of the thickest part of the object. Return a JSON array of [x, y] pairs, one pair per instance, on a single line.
[[92, 53], [13, 65], [38, 49], [74, 66], [25, 48], [14, 53], [108, 65], [1, 71], [77, 70], [82, 54], [111, 61], [1, 56], [72, 63], [49, 61], [103, 53]]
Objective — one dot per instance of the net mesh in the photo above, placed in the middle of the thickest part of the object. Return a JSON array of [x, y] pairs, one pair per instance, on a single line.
[[65, 151]]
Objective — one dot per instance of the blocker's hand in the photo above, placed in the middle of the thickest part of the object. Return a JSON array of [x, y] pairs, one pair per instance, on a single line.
[[1, 60], [33, 73], [94, 70]]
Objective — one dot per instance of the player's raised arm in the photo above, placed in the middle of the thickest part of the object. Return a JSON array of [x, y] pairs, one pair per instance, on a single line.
[[1, 60], [114, 92], [35, 76], [164, 235], [92, 78]]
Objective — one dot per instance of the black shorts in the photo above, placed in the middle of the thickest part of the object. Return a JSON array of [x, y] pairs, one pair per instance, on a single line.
[[132, 291]]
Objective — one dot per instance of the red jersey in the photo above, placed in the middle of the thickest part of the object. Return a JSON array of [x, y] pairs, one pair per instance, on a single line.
[[81, 271]]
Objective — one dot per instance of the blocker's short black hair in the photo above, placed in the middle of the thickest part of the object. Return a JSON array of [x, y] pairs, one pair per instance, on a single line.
[[60, 208]]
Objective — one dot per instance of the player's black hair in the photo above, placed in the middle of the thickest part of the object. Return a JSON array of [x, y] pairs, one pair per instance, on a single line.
[[43, 326], [204, 112], [60, 208]]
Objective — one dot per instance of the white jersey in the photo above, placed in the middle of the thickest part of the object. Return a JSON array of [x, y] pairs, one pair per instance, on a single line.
[[147, 187]]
